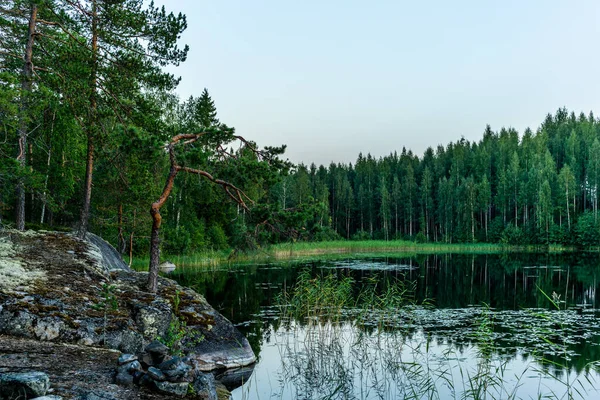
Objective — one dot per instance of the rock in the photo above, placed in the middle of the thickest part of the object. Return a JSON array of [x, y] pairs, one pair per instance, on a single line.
[[47, 329], [17, 324], [174, 388], [153, 320], [97, 395], [158, 352], [124, 379], [131, 342], [86, 341], [222, 391], [156, 374], [23, 385], [52, 397], [131, 367], [175, 370], [167, 267], [110, 257], [127, 358], [170, 364], [204, 386], [146, 360], [157, 348], [137, 376]]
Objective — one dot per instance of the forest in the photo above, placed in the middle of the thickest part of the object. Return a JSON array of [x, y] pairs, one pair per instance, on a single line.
[[89, 117]]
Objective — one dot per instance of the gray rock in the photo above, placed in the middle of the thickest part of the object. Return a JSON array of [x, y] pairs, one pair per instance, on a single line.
[[127, 358], [23, 385], [17, 324], [131, 342], [146, 360], [156, 374], [134, 366], [157, 348], [97, 395], [174, 388], [48, 398], [204, 386], [181, 374], [153, 320], [158, 353], [111, 259], [138, 376], [175, 370], [172, 364], [47, 329], [124, 379]]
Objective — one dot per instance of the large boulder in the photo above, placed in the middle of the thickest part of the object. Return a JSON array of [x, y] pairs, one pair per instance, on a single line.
[[57, 288]]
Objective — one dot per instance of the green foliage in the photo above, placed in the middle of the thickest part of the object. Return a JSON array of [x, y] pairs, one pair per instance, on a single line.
[[587, 230], [177, 334], [361, 235], [421, 238]]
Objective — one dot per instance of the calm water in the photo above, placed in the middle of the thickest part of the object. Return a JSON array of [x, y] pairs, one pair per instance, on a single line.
[[476, 324]]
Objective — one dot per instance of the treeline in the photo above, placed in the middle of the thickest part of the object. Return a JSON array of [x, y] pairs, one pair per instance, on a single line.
[[536, 188]]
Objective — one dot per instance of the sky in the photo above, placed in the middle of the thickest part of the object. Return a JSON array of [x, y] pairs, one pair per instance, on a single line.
[[333, 78]]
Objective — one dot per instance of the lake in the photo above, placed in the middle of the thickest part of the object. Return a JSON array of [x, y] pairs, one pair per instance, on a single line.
[[445, 326]]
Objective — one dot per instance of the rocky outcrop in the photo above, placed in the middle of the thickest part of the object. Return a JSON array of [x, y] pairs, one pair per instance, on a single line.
[[57, 288]]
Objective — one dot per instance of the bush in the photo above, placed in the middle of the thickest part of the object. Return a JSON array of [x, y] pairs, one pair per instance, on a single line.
[[325, 234], [361, 235], [217, 237], [513, 235], [587, 230], [421, 238]]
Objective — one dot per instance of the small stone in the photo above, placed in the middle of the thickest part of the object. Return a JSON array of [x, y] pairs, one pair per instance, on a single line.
[[32, 384], [130, 368], [127, 358], [137, 377], [158, 351], [177, 389], [175, 370], [170, 364], [134, 366], [146, 360], [124, 379], [156, 374], [48, 398], [204, 386], [86, 341]]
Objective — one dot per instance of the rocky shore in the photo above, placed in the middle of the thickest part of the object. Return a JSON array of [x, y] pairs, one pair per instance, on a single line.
[[70, 308]]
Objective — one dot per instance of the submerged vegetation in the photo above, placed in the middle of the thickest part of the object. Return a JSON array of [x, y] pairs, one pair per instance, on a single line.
[[324, 354]]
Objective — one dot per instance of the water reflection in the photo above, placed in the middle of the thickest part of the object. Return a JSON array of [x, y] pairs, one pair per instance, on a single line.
[[537, 347]]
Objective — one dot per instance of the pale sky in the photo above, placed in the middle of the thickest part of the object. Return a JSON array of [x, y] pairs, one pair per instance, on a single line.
[[334, 78]]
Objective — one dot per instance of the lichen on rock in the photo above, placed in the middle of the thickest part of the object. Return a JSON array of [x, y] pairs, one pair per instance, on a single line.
[[13, 273]]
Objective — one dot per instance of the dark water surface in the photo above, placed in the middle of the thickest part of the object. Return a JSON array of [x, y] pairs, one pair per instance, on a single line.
[[479, 326]]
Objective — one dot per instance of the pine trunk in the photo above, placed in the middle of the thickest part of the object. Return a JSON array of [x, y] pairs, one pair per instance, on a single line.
[[26, 89], [93, 120]]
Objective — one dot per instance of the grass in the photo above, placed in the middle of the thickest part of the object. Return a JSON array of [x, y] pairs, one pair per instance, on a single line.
[[326, 357], [339, 248]]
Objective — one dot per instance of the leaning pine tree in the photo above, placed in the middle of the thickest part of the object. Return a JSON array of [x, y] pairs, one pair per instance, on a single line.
[[213, 144]]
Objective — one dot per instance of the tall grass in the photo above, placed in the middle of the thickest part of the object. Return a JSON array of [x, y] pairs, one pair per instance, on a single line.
[[324, 355], [340, 248]]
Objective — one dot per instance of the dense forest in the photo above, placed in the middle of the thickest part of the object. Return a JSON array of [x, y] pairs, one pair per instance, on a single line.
[[536, 188], [89, 141]]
